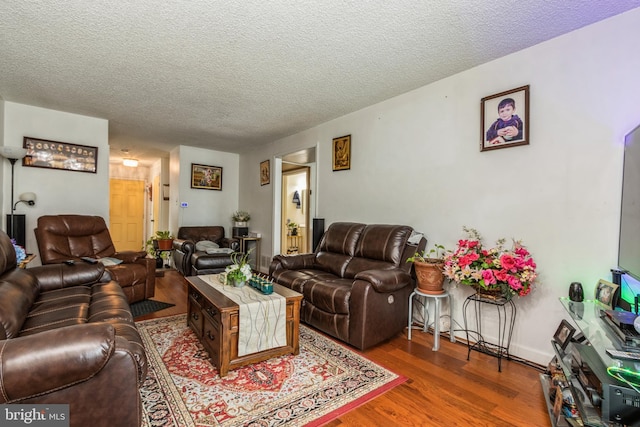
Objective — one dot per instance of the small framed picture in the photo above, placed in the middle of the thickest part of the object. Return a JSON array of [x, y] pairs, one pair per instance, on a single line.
[[607, 293], [265, 172], [342, 153], [563, 334], [504, 119], [206, 177]]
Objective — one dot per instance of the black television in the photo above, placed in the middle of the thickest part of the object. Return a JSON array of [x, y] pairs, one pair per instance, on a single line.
[[629, 243]]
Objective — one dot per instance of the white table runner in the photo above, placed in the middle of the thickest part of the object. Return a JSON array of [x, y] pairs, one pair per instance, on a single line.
[[262, 323]]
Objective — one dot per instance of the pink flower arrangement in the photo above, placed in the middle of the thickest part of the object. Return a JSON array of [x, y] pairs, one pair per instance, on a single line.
[[513, 271]]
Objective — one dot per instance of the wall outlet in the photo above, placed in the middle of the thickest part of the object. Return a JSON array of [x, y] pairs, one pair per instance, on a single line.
[[265, 261], [184, 205]]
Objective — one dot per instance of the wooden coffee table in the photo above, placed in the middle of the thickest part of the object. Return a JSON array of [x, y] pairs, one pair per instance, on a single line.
[[214, 319]]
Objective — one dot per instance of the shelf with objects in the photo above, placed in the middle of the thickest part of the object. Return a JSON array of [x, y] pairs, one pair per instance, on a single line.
[[506, 311], [583, 381]]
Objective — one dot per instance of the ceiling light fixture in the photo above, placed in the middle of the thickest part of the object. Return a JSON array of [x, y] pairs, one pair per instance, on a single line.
[[132, 163]]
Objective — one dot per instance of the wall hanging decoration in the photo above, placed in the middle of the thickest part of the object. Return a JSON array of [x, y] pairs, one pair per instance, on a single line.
[[42, 153], [505, 119], [206, 177], [342, 153], [265, 172]]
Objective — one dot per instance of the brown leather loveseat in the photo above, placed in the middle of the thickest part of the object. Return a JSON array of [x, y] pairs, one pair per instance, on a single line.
[[67, 337], [64, 237], [189, 259], [356, 285]]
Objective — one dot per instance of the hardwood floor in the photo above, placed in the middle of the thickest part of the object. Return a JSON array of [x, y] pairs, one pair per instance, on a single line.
[[442, 388]]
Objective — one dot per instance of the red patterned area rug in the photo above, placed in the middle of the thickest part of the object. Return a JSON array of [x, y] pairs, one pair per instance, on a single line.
[[183, 389]]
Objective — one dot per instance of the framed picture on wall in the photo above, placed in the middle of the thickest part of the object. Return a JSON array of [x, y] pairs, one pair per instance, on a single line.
[[265, 172], [504, 119], [342, 153], [206, 177], [42, 153]]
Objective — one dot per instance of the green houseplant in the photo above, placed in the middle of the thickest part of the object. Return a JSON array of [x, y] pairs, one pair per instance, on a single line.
[[293, 228], [164, 241], [429, 267]]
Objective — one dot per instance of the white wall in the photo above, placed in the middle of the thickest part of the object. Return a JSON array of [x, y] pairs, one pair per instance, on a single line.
[[416, 161], [205, 207], [57, 191]]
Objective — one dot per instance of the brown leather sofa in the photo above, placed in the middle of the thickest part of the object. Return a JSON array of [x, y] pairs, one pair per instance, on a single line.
[[190, 261], [67, 336], [356, 285], [64, 237]]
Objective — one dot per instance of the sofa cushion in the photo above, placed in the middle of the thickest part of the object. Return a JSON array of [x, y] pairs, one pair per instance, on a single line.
[[333, 263], [341, 238], [383, 242], [62, 236], [296, 279], [358, 265], [329, 295], [203, 245], [198, 233]]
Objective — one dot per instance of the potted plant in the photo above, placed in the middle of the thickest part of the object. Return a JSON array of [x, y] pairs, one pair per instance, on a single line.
[[240, 218], [165, 240], [429, 268], [160, 241], [238, 273], [293, 228]]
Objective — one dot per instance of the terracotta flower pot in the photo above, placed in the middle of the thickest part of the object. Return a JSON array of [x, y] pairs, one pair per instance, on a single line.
[[165, 244], [430, 277]]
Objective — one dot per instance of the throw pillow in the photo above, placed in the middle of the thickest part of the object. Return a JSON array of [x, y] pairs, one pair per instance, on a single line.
[[203, 245], [110, 261], [219, 251]]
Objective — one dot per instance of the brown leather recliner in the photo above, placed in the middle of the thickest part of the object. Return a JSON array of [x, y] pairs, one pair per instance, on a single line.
[[356, 285], [65, 237], [67, 336], [189, 261]]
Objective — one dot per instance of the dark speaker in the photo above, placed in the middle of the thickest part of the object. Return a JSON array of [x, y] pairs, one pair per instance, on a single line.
[[17, 231], [239, 231], [318, 231]]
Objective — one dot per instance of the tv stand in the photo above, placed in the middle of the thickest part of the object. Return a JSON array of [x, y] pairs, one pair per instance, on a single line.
[[601, 399]]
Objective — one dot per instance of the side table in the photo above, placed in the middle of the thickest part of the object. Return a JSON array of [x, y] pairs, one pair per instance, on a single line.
[[437, 298], [506, 319]]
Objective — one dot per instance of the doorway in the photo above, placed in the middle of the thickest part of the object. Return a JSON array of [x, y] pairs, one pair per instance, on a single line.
[[295, 210], [126, 216], [294, 172]]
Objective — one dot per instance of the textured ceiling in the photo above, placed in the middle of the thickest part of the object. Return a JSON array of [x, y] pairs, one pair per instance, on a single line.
[[228, 75]]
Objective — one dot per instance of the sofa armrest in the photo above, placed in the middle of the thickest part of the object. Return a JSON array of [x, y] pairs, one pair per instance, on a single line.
[[385, 281], [292, 262], [57, 276], [129, 257], [52, 360], [186, 246], [230, 242]]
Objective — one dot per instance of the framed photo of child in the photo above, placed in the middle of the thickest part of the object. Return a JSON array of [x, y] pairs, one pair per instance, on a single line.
[[504, 119]]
